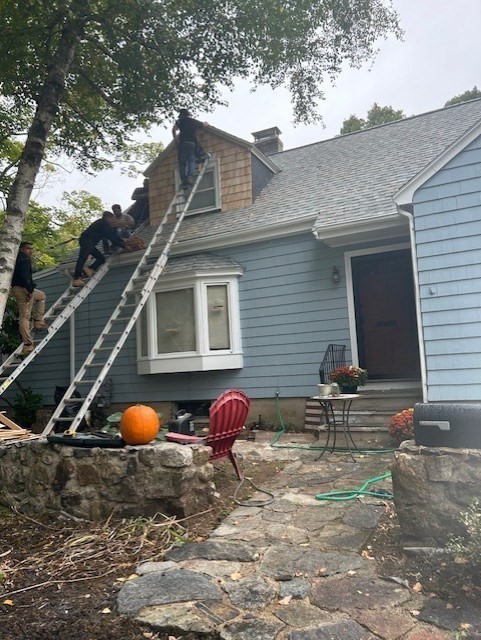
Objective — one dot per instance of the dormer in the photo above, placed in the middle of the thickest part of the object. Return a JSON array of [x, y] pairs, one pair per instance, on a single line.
[[236, 175]]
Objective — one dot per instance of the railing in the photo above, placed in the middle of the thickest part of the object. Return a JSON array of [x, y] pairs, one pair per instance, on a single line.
[[334, 357]]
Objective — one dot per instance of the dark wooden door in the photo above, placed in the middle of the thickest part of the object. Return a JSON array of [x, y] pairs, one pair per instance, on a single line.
[[385, 314]]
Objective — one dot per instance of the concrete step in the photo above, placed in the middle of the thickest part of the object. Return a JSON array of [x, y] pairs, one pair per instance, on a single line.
[[373, 409]]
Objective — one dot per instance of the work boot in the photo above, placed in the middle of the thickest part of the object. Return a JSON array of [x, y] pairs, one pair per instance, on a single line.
[[89, 272], [78, 282], [40, 325], [27, 348]]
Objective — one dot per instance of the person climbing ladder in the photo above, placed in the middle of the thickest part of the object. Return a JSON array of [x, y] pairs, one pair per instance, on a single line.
[[184, 133]]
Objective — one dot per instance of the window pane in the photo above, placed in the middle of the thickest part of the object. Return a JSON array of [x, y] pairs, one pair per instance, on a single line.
[[203, 200], [175, 321], [143, 332], [205, 195], [218, 317], [207, 181]]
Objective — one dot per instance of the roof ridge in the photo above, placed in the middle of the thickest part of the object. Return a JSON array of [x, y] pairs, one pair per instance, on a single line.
[[378, 126]]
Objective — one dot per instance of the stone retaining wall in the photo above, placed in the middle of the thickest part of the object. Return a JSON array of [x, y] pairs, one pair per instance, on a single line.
[[37, 477], [431, 486]]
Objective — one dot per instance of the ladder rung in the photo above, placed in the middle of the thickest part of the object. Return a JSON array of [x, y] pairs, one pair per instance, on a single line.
[[93, 364], [65, 419]]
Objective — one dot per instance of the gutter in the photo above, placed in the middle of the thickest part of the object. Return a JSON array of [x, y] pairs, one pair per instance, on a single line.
[[417, 299]]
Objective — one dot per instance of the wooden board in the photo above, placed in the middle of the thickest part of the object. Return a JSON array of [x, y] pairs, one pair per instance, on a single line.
[[11, 432]]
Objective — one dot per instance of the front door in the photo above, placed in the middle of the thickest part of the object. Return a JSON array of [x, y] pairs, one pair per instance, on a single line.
[[385, 314]]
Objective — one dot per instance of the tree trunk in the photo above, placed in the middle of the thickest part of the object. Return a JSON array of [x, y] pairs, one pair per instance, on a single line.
[[33, 153]]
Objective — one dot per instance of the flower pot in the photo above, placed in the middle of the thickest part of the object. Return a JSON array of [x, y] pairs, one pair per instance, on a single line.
[[346, 389]]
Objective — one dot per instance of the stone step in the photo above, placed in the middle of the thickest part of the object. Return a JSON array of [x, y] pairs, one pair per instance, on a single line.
[[373, 409]]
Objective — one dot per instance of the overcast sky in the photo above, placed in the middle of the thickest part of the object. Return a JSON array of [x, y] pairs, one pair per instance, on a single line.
[[438, 59]]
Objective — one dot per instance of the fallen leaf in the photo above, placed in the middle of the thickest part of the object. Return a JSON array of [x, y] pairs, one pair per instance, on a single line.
[[414, 612], [285, 600], [465, 625], [9, 602], [417, 587], [458, 560], [449, 606], [236, 575], [106, 610]]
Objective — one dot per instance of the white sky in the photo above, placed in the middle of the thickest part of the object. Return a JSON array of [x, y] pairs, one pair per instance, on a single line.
[[439, 58]]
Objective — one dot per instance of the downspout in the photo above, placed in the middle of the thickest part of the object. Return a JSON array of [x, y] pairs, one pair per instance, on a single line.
[[417, 301]]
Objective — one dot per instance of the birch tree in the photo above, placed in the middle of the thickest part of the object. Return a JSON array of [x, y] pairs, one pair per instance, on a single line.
[[86, 74]]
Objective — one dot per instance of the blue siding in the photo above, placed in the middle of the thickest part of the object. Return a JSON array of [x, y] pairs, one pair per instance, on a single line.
[[447, 212], [290, 312]]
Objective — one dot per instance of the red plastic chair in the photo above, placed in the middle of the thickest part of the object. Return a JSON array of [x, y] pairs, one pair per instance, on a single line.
[[227, 417]]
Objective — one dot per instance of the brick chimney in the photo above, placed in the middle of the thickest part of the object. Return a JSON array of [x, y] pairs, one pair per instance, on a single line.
[[268, 141]]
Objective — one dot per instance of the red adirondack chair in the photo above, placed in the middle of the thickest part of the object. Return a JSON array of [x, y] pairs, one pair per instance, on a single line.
[[227, 417]]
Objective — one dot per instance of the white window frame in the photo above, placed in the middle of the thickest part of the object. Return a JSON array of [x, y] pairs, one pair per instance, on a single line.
[[214, 167], [203, 358]]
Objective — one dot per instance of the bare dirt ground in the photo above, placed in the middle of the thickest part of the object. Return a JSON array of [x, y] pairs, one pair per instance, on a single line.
[[60, 577]]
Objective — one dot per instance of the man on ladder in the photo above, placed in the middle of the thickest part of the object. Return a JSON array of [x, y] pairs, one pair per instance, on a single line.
[[187, 144], [30, 300]]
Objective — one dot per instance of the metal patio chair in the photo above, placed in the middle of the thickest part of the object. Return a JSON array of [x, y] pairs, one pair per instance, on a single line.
[[227, 417]]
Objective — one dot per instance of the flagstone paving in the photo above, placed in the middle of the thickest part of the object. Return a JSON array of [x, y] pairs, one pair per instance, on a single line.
[[292, 569]]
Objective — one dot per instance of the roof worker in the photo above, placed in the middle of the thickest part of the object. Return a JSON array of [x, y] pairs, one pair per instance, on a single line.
[[123, 224], [140, 208], [187, 142], [101, 229], [31, 301]]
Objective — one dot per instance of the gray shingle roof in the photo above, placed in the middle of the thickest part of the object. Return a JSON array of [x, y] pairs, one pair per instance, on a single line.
[[345, 179], [199, 261]]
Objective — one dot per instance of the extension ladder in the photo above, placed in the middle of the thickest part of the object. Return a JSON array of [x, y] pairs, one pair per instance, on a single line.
[[57, 314], [96, 366]]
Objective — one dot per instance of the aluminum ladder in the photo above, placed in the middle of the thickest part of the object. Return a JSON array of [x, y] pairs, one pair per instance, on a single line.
[[57, 314], [97, 364]]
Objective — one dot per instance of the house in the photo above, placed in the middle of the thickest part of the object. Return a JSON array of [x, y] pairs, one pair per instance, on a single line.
[[371, 240]]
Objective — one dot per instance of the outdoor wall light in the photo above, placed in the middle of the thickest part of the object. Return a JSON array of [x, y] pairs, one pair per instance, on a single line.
[[335, 275]]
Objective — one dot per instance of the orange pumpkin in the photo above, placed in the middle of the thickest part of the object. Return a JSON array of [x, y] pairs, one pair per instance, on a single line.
[[139, 424]]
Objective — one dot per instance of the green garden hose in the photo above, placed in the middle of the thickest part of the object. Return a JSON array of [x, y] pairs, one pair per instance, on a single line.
[[350, 494]]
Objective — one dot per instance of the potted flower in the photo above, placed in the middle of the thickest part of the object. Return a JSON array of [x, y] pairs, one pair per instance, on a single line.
[[401, 425], [349, 378]]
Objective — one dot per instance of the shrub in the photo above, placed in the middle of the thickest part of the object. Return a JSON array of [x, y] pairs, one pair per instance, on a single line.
[[25, 407], [468, 546], [401, 425]]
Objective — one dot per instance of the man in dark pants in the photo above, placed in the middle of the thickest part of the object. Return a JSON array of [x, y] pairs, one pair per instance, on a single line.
[[140, 209], [30, 300], [101, 229], [187, 142]]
